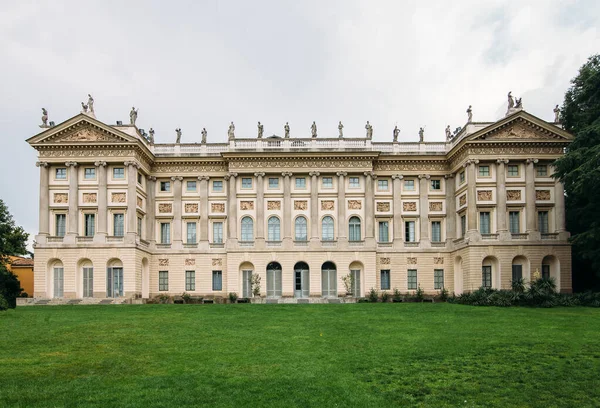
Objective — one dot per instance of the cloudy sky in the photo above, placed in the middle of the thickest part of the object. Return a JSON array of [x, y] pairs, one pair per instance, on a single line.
[[194, 64]]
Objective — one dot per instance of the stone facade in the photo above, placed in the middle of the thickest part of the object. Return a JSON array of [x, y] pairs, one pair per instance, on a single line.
[[362, 207]]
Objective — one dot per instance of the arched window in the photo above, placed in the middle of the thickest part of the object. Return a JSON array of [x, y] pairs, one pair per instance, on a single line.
[[274, 229], [327, 229], [247, 229], [354, 229], [301, 234]]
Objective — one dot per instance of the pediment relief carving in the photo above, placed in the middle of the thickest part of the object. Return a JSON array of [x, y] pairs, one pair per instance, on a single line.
[[519, 131], [86, 134]]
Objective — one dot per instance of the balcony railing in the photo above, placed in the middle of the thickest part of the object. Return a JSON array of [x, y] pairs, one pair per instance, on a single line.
[[328, 243], [163, 246], [301, 243], [113, 238], [519, 236], [489, 236], [438, 244], [85, 239], [190, 245], [546, 235], [273, 243], [246, 243], [55, 239], [217, 245], [411, 244]]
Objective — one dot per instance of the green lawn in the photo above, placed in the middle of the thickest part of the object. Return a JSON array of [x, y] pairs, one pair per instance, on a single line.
[[299, 355]]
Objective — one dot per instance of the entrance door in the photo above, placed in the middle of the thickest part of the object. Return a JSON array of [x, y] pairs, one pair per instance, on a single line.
[[58, 282], [246, 284], [329, 280], [273, 280], [301, 281], [355, 273], [114, 282]]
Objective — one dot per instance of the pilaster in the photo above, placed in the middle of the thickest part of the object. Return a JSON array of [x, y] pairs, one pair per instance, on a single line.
[[204, 210], [472, 231], [530, 213], [559, 210], [259, 240], [397, 184], [450, 208], [150, 210], [424, 240], [44, 210], [341, 206], [73, 216], [102, 230], [502, 229], [232, 210], [370, 178], [131, 201], [314, 208], [287, 210], [177, 223]]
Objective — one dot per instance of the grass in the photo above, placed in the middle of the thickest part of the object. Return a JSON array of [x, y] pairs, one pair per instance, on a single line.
[[360, 355]]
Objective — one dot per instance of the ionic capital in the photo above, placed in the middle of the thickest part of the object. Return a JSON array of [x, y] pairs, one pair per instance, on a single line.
[[287, 174], [131, 163], [471, 161], [449, 176], [42, 164], [203, 178], [100, 164], [151, 178], [502, 161], [230, 175], [259, 174], [314, 174], [69, 164], [370, 174], [424, 176], [530, 161], [397, 176], [177, 178], [341, 173]]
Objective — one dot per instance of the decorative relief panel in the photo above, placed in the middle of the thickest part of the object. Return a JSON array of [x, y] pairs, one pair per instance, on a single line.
[[354, 204], [246, 205], [385, 165], [513, 195], [542, 195], [273, 205], [165, 208], [383, 207], [163, 262], [139, 202], [176, 168], [118, 198], [307, 164], [90, 198], [327, 205], [438, 260], [61, 198], [385, 261], [87, 135], [409, 206], [217, 262], [300, 205], [217, 207], [484, 195], [436, 206], [191, 207], [462, 200], [411, 261], [190, 262]]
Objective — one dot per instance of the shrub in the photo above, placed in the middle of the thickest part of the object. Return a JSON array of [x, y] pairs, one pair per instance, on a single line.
[[186, 297], [348, 283], [233, 297], [373, 296], [443, 294], [419, 294], [397, 295], [3, 303], [255, 282], [518, 285], [164, 299], [385, 297]]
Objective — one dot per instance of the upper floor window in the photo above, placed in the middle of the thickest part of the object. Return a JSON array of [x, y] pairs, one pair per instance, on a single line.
[[89, 225], [190, 186], [191, 232], [327, 182], [300, 182], [513, 170], [484, 171], [217, 185], [461, 177], [89, 173], [246, 182], [484, 222], [436, 184], [119, 225], [274, 229], [119, 173], [354, 182], [463, 225], [165, 186], [384, 231], [300, 229], [514, 218], [354, 229], [541, 170], [140, 178], [543, 222], [382, 185], [217, 232], [165, 233], [61, 225], [327, 228], [273, 182], [409, 231], [247, 229], [61, 173], [409, 185], [436, 231]]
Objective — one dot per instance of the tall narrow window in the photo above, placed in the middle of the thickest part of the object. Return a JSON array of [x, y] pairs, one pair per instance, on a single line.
[[217, 282], [58, 282], [327, 227], [409, 231], [438, 279], [61, 225], [165, 233], [118, 225], [545, 271], [190, 280], [139, 226], [384, 231], [247, 229], [88, 282], [300, 229], [543, 221], [385, 279], [486, 276], [412, 279], [514, 221], [436, 231], [354, 229], [463, 225], [90, 224], [163, 281], [114, 282], [217, 232], [274, 229], [484, 222], [517, 272], [191, 232]]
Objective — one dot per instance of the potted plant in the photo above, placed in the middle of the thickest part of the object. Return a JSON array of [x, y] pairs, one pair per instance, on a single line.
[[397, 296], [233, 297], [348, 281], [255, 282]]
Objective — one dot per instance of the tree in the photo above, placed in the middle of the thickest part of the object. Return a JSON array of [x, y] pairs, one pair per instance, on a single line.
[[13, 241], [579, 170]]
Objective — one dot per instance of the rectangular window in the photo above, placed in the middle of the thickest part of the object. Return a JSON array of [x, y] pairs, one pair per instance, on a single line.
[[436, 231], [89, 173], [514, 222], [545, 271], [484, 171], [59, 275], [300, 182], [409, 185], [190, 280], [486, 277], [327, 182], [436, 184], [543, 222], [412, 279], [217, 185], [165, 186], [461, 177], [61, 225], [354, 182], [165, 233], [382, 185], [217, 232], [61, 173], [517, 272], [384, 231], [438, 279], [513, 170], [139, 178], [463, 225], [409, 231], [191, 232], [246, 182], [118, 225], [118, 173], [190, 186], [385, 279], [88, 282], [139, 226], [273, 182], [541, 170], [89, 225], [163, 280], [217, 280], [484, 222]]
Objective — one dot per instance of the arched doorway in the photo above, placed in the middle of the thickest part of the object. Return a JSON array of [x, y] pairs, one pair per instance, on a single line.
[[55, 279], [145, 279], [85, 278], [551, 269], [329, 280], [246, 271], [520, 268], [273, 280], [355, 272], [301, 280], [114, 278], [489, 272]]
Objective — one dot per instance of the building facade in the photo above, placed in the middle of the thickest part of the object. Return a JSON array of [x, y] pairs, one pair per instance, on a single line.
[[122, 217]]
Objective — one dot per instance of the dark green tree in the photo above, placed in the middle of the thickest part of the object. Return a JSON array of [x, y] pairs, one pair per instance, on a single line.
[[13, 241], [579, 170]]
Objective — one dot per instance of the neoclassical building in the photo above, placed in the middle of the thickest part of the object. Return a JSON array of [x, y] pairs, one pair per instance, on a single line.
[[121, 217]]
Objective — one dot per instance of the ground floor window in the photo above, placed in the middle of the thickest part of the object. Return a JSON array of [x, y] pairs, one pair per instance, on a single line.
[[517, 272], [247, 283], [438, 279], [217, 280], [385, 279], [163, 280], [114, 282], [486, 276], [190, 280], [545, 271], [412, 279], [88, 282], [58, 282]]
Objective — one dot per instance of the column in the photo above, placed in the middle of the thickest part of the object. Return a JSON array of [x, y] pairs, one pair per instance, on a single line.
[[203, 208], [44, 225], [73, 223], [559, 206], [397, 183], [177, 237], [232, 209], [150, 209], [370, 178], [450, 208], [314, 206], [102, 230], [424, 210], [131, 201], [341, 205], [530, 199], [260, 208], [471, 197], [287, 209], [503, 233]]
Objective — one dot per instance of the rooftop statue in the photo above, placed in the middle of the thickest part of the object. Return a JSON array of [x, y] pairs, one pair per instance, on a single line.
[[84, 108], [204, 133], [313, 129], [261, 129], [369, 130], [286, 130], [45, 117], [178, 132], [396, 133], [231, 131], [519, 103], [151, 136], [133, 116], [511, 102], [469, 115], [421, 135], [556, 114], [91, 103], [448, 133], [341, 129]]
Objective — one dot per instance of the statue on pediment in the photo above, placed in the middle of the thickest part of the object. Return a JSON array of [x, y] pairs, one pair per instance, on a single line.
[[133, 115], [369, 129], [261, 129], [396, 133], [45, 117], [313, 129], [469, 114], [84, 108], [178, 132], [204, 134], [90, 103], [421, 135], [518, 103], [286, 130], [151, 136], [511, 102], [341, 129], [448, 133], [556, 111], [231, 131]]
